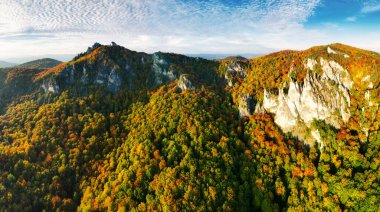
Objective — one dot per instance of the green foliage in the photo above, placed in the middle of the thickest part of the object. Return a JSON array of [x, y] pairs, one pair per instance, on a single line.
[[157, 148]]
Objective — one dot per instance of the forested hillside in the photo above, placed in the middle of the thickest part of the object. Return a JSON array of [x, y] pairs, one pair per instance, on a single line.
[[40, 63], [115, 129]]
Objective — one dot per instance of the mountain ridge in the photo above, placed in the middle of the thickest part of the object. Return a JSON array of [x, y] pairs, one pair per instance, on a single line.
[[40, 63], [116, 68], [4, 64], [115, 129]]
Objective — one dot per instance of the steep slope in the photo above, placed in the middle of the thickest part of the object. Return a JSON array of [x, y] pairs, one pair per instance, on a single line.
[[82, 109], [40, 63], [325, 83], [116, 68], [16, 83], [108, 69]]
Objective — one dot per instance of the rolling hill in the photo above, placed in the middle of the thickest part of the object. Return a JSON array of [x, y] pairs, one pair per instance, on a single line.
[[40, 63]]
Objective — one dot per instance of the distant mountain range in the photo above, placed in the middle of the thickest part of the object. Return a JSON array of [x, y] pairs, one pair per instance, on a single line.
[[222, 56], [40, 63], [4, 64]]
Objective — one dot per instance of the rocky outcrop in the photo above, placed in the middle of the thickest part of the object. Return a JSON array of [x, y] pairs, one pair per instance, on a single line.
[[335, 72], [238, 67], [114, 81], [321, 97], [161, 70], [184, 83], [79, 75], [246, 105], [259, 109], [84, 77], [235, 69], [50, 85], [332, 51], [115, 68], [311, 63]]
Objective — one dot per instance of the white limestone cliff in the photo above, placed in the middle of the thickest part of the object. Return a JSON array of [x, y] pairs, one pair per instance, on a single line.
[[235, 69], [184, 83], [160, 69], [245, 105], [321, 97], [332, 51]]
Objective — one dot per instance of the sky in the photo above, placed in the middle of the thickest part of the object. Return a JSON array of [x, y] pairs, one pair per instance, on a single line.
[[63, 28]]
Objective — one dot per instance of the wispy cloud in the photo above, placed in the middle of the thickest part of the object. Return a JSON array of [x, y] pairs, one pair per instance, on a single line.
[[150, 16], [351, 19], [187, 26], [371, 8]]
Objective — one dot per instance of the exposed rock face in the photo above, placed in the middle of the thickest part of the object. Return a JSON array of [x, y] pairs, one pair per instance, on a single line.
[[246, 105], [161, 70], [335, 72], [259, 109], [367, 79], [317, 136], [311, 63], [324, 97], [235, 69], [50, 86], [332, 51], [184, 83], [114, 81], [101, 71], [84, 77], [238, 67], [116, 68], [80, 75]]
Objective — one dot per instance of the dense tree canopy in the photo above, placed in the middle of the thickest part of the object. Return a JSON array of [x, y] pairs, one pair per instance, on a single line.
[[166, 149]]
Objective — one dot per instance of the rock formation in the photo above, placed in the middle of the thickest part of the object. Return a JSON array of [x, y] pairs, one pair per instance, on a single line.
[[161, 69], [246, 105], [184, 83], [235, 69], [50, 86], [321, 97]]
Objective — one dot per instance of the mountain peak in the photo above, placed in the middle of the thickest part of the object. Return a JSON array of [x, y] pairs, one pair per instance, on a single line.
[[237, 57], [115, 67]]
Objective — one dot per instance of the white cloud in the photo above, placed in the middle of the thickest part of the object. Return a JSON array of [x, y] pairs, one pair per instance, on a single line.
[[371, 8], [351, 19], [153, 16], [33, 27]]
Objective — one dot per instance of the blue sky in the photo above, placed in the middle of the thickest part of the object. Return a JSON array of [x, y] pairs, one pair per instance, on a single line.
[[349, 14], [36, 28]]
